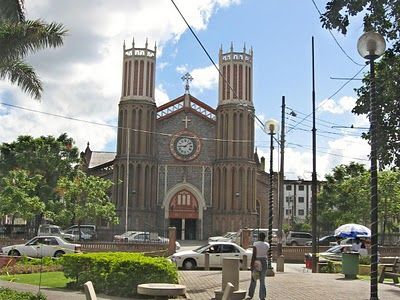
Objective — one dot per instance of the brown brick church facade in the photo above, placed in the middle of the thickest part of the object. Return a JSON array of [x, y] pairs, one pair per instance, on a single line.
[[184, 163]]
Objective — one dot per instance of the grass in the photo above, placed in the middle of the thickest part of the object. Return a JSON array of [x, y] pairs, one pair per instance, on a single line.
[[49, 279]]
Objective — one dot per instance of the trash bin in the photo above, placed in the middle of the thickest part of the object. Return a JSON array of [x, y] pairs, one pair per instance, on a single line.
[[350, 264]]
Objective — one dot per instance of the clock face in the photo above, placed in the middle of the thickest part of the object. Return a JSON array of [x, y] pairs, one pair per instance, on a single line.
[[185, 146]]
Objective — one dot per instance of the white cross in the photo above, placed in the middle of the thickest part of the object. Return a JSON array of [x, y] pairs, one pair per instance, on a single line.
[[186, 120]]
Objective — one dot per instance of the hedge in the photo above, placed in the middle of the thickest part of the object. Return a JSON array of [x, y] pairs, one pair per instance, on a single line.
[[117, 273], [8, 294]]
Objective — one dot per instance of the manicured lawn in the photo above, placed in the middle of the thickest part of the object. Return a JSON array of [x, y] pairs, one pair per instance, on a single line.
[[49, 279]]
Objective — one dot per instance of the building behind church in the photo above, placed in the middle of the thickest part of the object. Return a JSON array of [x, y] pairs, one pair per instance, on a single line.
[[186, 164]]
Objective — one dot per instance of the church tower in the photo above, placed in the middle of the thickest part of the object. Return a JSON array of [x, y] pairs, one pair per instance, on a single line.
[[135, 167], [235, 171]]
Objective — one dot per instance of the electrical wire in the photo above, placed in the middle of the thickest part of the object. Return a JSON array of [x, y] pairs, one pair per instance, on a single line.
[[336, 41]]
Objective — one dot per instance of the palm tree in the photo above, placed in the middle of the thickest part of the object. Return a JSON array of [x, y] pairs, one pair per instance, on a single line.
[[18, 38]]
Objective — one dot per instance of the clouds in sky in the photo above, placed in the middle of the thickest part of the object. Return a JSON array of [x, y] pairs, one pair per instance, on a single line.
[[82, 79], [345, 104]]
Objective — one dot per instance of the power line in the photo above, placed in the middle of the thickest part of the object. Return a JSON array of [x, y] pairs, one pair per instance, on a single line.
[[337, 91], [336, 41]]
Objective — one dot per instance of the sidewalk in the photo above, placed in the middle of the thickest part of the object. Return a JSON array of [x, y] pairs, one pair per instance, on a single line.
[[298, 286], [290, 285]]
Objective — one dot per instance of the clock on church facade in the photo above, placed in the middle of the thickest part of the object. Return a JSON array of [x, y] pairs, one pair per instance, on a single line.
[[185, 146]]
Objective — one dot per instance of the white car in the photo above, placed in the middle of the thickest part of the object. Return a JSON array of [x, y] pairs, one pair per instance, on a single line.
[[192, 259], [75, 233], [143, 237], [40, 246], [225, 238]]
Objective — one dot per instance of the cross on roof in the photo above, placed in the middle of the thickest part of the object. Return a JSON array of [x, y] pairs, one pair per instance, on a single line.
[[188, 78]]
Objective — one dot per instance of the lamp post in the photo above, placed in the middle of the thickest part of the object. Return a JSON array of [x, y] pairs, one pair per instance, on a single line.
[[371, 45], [271, 127]]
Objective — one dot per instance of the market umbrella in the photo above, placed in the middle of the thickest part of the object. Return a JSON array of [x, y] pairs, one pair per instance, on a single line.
[[352, 231]]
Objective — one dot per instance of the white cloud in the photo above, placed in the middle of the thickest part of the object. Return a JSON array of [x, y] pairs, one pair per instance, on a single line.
[[204, 78], [82, 79], [182, 69], [161, 95], [345, 104]]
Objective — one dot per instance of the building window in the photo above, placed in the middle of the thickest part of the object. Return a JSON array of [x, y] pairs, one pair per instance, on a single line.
[[288, 199], [288, 212], [288, 187], [301, 199], [301, 212], [301, 187]]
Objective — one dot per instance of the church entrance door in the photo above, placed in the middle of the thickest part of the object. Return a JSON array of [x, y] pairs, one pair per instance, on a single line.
[[183, 214]]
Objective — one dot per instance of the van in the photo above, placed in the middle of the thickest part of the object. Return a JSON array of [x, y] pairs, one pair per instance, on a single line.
[[48, 229], [298, 238]]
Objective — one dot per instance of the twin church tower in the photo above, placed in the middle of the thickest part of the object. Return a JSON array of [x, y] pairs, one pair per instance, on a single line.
[[184, 163]]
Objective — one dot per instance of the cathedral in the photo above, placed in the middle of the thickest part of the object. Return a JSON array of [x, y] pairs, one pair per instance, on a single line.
[[185, 164]]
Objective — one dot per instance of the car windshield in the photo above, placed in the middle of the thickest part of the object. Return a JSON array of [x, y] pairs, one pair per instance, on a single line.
[[128, 233], [334, 249], [201, 248], [228, 235]]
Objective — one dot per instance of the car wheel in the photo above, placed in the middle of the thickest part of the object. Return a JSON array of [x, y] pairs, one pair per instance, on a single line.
[[59, 253], [14, 253], [293, 244], [189, 264]]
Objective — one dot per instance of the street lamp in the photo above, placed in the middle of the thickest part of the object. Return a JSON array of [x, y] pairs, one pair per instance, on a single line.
[[371, 45], [271, 127]]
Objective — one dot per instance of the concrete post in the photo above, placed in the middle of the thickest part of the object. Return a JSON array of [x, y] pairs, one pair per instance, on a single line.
[[280, 264], [246, 238], [207, 261], [230, 272], [244, 262], [172, 240]]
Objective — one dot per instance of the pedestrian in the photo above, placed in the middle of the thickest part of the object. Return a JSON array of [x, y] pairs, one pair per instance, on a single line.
[[259, 260], [355, 247]]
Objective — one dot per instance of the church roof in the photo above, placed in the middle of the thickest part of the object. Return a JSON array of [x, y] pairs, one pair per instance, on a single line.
[[100, 158], [189, 103]]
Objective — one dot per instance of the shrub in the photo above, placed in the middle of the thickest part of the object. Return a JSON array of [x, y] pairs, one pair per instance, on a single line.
[[8, 294], [118, 273], [365, 260], [27, 265], [331, 267]]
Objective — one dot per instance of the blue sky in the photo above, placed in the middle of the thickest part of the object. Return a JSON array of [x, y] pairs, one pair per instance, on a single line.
[[83, 78]]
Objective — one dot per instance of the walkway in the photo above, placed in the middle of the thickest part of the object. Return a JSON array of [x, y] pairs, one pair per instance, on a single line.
[[289, 285]]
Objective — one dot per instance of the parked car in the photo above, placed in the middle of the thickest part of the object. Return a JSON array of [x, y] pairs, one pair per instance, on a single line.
[[298, 238], [192, 259], [143, 237], [225, 238], [40, 246], [54, 230], [75, 232], [334, 253], [88, 229], [325, 241]]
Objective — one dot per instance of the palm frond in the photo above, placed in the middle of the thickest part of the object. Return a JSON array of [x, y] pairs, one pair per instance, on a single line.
[[12, 10], [19, 72], [17, 39]]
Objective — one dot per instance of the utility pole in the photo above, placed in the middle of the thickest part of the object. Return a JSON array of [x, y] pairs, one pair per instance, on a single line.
[[281, 179], [314, 175]]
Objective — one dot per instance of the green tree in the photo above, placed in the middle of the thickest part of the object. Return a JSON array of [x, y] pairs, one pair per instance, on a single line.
[[384, 17], [339, 201], [345, 198], [85, 198], [18, 195], [46, 156], [20, 37]]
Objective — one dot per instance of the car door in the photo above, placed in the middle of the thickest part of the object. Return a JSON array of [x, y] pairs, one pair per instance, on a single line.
[[215, 255], [31, 248], [229, 251], [47, 247]]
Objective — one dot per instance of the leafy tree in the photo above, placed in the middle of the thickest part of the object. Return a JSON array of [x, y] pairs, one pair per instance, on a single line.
[[345, 198], [384, 17], [46, 156], [18, 195], [85, 198], [20, 37]]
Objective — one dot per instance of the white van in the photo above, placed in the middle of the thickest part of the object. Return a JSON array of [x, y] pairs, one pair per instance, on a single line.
[[48, 229]]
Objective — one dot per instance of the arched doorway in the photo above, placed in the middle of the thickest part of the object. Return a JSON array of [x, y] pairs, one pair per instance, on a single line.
[[183, 212]]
